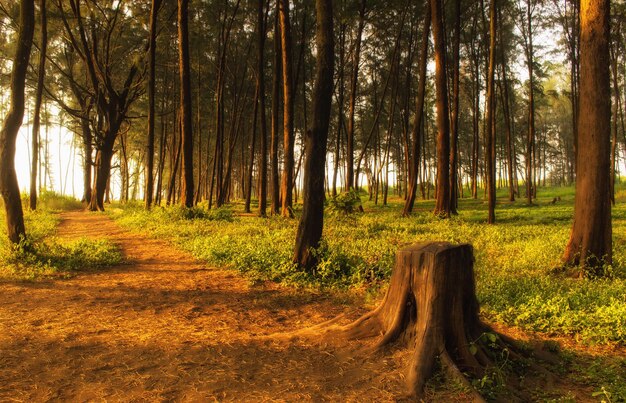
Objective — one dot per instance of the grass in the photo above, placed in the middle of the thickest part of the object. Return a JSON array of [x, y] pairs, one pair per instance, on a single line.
[[42, 254], [514, 263]]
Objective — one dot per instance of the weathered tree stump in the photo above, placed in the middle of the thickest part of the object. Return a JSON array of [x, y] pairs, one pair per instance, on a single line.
[[431, 306]]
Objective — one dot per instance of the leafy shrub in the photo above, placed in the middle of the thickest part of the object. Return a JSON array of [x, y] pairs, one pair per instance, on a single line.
[[344, 203]]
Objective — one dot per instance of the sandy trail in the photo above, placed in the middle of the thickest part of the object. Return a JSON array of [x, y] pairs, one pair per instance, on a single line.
[[162, 326]]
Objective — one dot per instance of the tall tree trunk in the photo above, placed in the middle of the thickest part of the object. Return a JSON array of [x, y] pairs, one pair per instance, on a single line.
[[442, 204], [350, 176], [185, 103], [454, 123], [340, 106], [261, 22], [87, 157], [530, 144], [9, 187], [275, 207], [504, 96], [248, 179], [38, 96], [311, 224], [149, 170], [590, 244], [490, 135], [419, 115], [288, 111], [616, 89]]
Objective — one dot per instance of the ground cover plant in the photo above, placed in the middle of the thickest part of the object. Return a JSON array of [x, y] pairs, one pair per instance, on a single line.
[[519, 278], [42, 254], [516, 260]]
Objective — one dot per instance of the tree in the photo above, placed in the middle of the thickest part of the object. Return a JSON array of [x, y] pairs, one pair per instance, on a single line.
[[9, 187], [262, 30], [114, 76], [354, 80], [526, 28], [275, 179], [149, 191], [185, 103], [311, 223], [442, 204], [590, 243], [419, 116], [454, 123], [41, 70], [490, 135], [288, 111]]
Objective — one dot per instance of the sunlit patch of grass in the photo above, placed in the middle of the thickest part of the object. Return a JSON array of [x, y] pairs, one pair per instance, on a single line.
[[42, 255], [514, 259]]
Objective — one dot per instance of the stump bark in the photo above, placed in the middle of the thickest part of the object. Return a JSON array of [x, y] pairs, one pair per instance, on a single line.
[[431, 306]]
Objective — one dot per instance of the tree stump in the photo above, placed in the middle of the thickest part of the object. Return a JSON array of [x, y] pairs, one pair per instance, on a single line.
[[431, 306]]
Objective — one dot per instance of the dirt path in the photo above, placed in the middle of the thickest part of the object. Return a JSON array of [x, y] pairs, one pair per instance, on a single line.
[[162, 326]]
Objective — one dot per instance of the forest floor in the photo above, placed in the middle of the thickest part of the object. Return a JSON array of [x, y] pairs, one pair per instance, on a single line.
[[162, 326]]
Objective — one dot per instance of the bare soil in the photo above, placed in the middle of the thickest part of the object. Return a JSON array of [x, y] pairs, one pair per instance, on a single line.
[[164, 327]]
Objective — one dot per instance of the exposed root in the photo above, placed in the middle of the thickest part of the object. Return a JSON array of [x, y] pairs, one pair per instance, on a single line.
[[431, 307]]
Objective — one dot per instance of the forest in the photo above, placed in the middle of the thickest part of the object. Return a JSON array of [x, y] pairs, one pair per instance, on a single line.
[[328, 200]]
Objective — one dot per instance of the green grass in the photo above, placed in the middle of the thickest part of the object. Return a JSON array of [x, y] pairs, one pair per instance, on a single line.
[[42, 254], [515, 258]]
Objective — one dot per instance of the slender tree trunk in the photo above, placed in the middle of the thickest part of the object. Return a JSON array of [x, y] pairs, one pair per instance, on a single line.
[[616, 89], [185, 103], [275, 207], [248, 184], [38, 96], [340, 106], [9, 188], [419, 115], [87, 157], [149, 170], [490, 135], [442, 205], [311, 224], [288, 111], [454, 123], [261, 27], [530, 145], [590, 244], [350, 175]]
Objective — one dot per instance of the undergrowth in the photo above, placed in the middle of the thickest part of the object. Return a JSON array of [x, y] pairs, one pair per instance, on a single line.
[[42, 254], [515, 259]]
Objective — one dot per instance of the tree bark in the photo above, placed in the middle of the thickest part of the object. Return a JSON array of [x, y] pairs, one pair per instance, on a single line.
[[350, 176], [185, 104], [261, 27], [149, 170], [431, 307], [275, 207], [490, 135], [9, 187], [590, 244], [41, 71], [288, 111], [454, 123], [442, 204], [311, 224]]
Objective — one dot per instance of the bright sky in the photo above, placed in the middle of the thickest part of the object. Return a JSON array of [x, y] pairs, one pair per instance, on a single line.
[[65, 161]]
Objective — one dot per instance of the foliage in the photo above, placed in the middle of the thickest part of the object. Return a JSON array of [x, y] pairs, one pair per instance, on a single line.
[[44, 255], [344, 203], [514, 258]]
